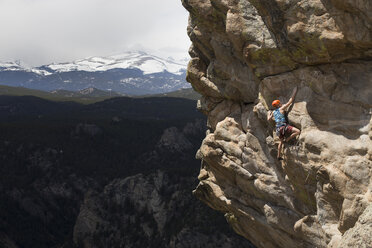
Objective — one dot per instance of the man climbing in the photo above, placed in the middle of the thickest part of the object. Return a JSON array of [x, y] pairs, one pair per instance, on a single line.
[[283, 129]]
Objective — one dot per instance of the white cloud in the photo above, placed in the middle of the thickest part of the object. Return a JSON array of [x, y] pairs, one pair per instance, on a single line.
[[45, 31]]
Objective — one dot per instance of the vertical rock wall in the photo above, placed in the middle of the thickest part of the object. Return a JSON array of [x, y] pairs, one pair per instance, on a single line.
[[246, 53]]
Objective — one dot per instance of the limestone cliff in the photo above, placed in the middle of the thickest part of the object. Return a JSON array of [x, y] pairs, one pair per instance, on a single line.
[[246, 53]]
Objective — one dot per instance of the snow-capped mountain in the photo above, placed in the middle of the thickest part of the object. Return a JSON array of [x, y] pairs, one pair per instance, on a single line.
[[18, 66], [133, 73], [147, 63]]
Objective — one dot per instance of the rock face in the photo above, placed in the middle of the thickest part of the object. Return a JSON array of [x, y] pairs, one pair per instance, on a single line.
[[245, 54], [148, 211]]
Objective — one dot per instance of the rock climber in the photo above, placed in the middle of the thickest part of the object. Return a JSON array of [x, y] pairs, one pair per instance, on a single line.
[[284, 131]]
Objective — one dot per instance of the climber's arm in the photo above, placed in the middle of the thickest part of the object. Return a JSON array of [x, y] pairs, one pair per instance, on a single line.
[[269, 115], [285, 106]]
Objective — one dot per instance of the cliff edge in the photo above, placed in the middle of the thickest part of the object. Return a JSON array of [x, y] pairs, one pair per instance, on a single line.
[[245, 54]]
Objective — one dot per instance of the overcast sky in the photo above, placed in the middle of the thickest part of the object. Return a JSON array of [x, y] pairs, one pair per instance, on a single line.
[[45, 31]]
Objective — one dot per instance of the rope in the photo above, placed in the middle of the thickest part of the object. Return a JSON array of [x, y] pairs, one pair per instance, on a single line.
[[318, 241], [308, 174], [302, 173]]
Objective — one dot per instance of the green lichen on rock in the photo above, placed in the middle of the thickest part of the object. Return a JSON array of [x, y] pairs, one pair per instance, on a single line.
[[230, 217]]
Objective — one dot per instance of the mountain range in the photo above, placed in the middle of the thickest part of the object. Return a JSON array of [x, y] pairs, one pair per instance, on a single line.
[[130, 73]]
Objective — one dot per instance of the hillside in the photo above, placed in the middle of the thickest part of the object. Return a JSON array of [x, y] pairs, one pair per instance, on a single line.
[[87, 96], [182, 93], [116, 173]]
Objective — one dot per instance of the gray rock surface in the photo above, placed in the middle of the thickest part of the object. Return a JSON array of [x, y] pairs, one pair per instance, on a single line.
[[245, 54], [360, 235], [152, 210]]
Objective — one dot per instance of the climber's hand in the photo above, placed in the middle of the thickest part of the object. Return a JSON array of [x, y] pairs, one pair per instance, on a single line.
[[291, 100], [269, 115]]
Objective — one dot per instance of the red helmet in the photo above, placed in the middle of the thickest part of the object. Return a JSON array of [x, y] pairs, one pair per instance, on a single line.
[[275, 103]]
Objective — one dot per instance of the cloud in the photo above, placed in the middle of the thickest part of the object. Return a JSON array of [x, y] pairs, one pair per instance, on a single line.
[[45, 31]]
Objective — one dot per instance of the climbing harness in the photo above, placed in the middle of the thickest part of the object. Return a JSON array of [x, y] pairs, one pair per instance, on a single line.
[[281, 123], [280, 131]]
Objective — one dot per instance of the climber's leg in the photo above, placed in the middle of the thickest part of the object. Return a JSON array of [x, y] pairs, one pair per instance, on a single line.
[[293, 131], [280, 150]]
